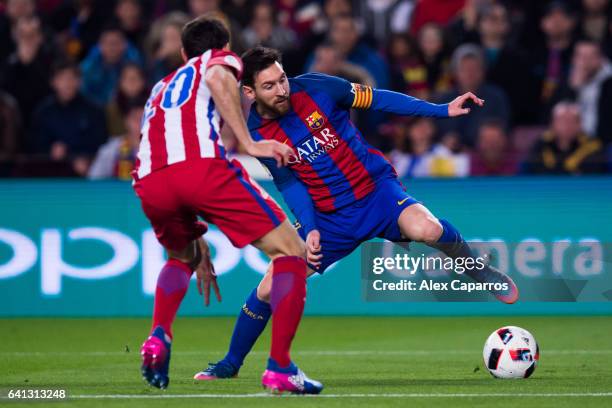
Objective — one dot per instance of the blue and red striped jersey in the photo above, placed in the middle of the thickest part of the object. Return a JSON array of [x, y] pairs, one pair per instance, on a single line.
[[332, 165], [330, 156]]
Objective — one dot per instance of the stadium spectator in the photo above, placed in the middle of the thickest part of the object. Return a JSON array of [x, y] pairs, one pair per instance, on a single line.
[[103, 64], [565, 148], [433, 50], [333, 9], [316, 20], [383, 18], [132, 87], [264, 29], [493, 155], [416, 154], [550, 59], [329, 61], [240, 10], [604, 121], [197, 8], [344, 36], [469, 71], [10, 130], [128, 14], [67, 126], [595, 23], [26, 75], [299, 16], [164, 45], [14, 10], [200, 7], [116, 157], [464, 28], [79, 24], [590, 71], [435, 11], [408, 73], [506, 65]]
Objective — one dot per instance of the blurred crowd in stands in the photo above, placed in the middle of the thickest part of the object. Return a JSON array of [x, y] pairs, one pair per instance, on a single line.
[[75, 75]]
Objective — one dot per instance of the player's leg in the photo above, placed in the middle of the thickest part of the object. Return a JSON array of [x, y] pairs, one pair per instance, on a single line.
[[172, 284], [256, 311], [287, 299], [177, 231], [251, 322], [417, 223], [247, 215]]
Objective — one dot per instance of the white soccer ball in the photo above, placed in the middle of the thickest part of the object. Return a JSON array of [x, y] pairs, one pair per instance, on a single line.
[[511, 352]]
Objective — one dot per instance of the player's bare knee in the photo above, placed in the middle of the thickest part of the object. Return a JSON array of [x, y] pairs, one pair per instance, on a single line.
[[265, 286], [425, 228], [292, 246], [190, 255], [431, 230], [296, 247], [263, 293]]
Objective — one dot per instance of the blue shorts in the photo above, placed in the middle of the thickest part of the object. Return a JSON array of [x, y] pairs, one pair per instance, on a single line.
[[373, 216]]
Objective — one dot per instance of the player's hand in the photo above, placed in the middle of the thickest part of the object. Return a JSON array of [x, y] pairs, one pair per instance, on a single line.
[[206, 275], [313, 248], [271, 148], [455, 108]]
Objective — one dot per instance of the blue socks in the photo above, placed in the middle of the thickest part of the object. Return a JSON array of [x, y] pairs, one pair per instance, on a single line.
[[251, 323], [273, 366], [451, 242]]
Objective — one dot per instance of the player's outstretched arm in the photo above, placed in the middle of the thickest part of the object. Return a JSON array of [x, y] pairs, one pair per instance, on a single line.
[[358, 96], [406, 105], [224, 90], [455, 108]]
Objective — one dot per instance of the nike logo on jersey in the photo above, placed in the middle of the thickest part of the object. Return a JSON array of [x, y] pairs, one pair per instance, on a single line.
[[403, 201]]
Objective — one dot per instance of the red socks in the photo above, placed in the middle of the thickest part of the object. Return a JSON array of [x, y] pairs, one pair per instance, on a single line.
[[287, 299], [172, 285]]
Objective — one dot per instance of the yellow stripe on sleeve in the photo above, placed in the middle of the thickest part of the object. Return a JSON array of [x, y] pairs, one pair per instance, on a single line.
[[363, 96]]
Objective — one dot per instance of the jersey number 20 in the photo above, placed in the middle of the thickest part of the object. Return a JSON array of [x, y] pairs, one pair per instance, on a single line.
[[179, 89]]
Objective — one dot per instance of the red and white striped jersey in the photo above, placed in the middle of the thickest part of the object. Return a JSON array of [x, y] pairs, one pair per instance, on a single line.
[[180, 121]]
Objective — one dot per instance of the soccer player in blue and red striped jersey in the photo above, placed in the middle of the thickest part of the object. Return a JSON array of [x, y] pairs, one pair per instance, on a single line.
[[341, 190]]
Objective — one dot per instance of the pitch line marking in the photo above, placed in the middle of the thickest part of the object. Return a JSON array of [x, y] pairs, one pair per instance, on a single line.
[[392, 395], [303, 352]]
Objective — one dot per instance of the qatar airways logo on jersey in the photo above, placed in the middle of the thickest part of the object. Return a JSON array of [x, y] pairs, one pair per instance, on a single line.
[[311, 148]]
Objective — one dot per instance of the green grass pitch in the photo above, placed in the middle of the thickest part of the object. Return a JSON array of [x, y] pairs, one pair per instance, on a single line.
[[363, 361]]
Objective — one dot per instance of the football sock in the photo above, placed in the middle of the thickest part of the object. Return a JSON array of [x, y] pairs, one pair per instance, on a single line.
[[287, 300], [453, 245], [172, 285], [251, 322]]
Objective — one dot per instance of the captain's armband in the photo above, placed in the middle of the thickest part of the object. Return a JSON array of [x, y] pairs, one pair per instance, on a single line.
[[362, 96]]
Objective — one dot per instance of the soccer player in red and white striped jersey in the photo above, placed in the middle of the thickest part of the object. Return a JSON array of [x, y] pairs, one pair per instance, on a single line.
[[182, 174]]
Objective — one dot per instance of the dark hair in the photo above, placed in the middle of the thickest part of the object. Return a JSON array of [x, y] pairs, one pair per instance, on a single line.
[[137, 103], [343, 16], [123, 101], [202, 34], [256, 60], [112, 27], [63, 65], [493, 122]]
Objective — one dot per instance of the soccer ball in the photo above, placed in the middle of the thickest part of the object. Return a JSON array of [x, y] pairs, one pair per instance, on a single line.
[[511, 352]]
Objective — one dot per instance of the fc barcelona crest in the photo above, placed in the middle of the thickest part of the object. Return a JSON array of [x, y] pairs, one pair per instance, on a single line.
[[315, 120]]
